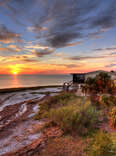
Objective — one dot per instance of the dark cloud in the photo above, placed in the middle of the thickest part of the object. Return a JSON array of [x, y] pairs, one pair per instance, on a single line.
[[102, 49], [68, 65], [105, 21], [107, 17], [59, 22], [28, 60], [43, 52], [7, 36], [65, 18], [78, 58], [62, 40], [68, 21]]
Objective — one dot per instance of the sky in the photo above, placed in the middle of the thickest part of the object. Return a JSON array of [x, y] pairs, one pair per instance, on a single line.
[[57, 36]]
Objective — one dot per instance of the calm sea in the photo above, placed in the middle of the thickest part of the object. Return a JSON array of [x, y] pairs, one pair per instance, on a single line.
[[15, 81]]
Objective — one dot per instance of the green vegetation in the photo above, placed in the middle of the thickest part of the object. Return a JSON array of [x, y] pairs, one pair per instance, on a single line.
[[107, 101], [87, 122], [71, 113], [74, 119], [101, 145], [54, 102]]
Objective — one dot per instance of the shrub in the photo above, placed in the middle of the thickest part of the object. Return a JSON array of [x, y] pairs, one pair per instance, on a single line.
[[107, 101], [54, 102], [95, 100], [75, 119], [100, 83], [113, 117], [101, 145]]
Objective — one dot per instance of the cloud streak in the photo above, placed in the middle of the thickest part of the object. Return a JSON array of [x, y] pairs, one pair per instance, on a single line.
[[103, 49], [43, 52], [79, 58], [44, 26], [60, 22], [111, 65], [107, 17], [7, 36]]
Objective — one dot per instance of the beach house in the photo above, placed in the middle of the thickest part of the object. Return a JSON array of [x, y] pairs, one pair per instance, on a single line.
[[81, 77]]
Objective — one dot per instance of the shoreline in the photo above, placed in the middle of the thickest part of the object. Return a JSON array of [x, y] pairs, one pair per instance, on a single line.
[[19, 129], [9, 90]]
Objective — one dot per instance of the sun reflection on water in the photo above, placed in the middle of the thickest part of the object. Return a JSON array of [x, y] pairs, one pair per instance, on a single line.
[[16, 80]]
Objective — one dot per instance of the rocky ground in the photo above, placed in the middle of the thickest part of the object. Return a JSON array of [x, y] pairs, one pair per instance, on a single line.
[[18, 130]]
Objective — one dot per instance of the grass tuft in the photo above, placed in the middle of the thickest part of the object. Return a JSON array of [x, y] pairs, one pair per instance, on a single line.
[[74, 119], [101, 145], [59, 100]]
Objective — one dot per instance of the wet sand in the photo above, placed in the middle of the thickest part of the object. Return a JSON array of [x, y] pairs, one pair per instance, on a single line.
[[17, 109]]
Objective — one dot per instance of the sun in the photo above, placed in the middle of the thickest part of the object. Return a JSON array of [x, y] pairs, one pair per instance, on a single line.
[[15, 73], [14, 69]]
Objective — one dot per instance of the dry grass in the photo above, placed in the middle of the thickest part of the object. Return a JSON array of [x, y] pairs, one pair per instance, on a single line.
[[102, 145], [65, 146], [57, 101], [73, 119]]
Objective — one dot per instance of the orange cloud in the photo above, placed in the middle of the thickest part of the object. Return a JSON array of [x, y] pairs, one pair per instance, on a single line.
[[15, 48]]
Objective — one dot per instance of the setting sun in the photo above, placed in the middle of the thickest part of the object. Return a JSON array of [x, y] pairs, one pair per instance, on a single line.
[[15, 73], [14, 69]]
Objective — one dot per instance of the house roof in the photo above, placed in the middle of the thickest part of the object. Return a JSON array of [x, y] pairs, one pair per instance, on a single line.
[[95, 72], [78, 73]]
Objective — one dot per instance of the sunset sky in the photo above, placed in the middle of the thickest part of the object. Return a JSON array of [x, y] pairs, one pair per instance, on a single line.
[[57, 36]]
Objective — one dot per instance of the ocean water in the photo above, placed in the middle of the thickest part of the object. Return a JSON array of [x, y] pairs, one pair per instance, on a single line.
[[15, 81]]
